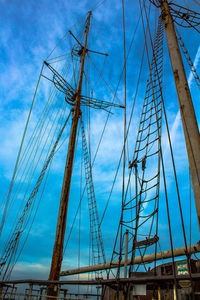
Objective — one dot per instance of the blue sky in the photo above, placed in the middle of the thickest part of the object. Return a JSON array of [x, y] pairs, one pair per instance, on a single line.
[[29, 31]]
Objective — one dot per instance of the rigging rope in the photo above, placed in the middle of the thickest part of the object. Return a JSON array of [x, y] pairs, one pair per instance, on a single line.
[[188, 59], [104, 128], [17, 189], [32, 144], [32, 171], [185, 17], [18, 157], [11, 248], [147, 149], [97, 241], [131, 115], [177, 188], [166, 197], [197, 2], [59, 125]]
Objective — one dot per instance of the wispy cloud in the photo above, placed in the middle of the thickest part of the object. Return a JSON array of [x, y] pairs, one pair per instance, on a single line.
[[196, 61], [176, 123]]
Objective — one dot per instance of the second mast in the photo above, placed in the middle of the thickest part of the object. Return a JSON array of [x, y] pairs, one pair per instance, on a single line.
[[62, 217]]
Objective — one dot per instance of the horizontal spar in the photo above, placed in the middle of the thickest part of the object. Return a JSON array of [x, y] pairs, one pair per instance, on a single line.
[[134, 280], [146, 258]]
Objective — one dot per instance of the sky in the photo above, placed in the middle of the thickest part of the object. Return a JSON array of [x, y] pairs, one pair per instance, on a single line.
[[29, 32]]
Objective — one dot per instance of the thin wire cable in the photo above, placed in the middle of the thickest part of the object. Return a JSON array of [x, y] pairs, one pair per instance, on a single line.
[[23, 221], [174, 170], [197, 2], [78, 22], [32, 143], [180, 209], [19, 154], [28, 183], [128, 179], [124, 142], [98, 5], [108, 115]]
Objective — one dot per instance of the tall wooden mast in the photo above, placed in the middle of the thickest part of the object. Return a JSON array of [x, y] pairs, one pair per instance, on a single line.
[[61, 223], [190, 127]]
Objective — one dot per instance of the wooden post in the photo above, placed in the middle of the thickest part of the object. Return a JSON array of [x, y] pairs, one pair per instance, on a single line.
[[174, 291], [61, 223], [159, 293], [65, 293], [41, 293], [190, 126], [126, 254], [30, 291]]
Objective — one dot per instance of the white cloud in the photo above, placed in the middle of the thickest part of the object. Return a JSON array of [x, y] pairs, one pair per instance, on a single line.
[[178, 145], [176, 124], [11, 134], [22, 266], [196, 61]]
